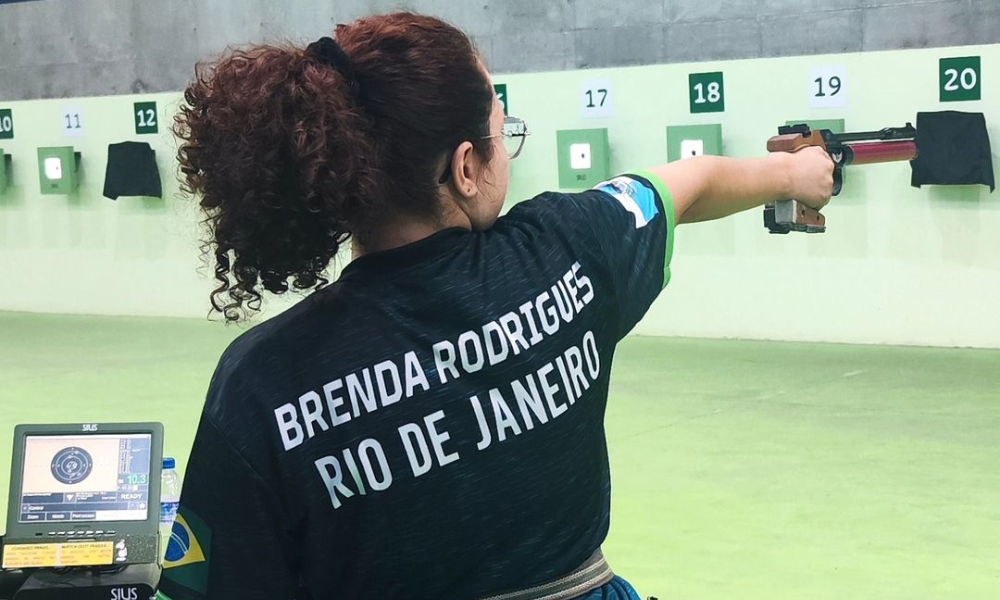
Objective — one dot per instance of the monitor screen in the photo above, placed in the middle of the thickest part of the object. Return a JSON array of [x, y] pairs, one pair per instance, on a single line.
[[86, 478]]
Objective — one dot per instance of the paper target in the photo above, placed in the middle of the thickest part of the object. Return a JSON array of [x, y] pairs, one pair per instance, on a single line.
[[72, 465]]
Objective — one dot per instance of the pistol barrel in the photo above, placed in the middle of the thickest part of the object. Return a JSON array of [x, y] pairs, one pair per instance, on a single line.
[[879, 152]]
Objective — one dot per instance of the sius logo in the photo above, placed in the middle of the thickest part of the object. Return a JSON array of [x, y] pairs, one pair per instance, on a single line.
[[90, 426], [125, 593]]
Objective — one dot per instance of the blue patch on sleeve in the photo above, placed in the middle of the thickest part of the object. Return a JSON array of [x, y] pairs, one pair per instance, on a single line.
[[634, 196]]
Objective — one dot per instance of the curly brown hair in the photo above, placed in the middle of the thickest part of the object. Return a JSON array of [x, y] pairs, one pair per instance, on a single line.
[[291, 156]]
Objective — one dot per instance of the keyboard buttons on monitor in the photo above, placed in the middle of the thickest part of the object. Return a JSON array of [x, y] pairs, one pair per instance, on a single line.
[[99, 532], [90, 533], [60, 533], [52, 533]]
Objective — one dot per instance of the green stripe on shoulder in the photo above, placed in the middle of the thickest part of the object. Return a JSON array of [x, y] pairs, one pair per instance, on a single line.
[[668, 206]]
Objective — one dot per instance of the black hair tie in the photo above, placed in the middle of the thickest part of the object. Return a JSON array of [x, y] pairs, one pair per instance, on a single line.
[[327, 51]]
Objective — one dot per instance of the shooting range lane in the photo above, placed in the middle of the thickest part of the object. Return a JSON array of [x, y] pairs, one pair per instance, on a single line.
[[893, 242], [860, 472], [751, 470]]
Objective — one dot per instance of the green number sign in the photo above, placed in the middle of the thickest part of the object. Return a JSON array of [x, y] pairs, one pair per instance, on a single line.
[[6, 124], [708, 93], [961, 79], [145, 118], [501, 89]]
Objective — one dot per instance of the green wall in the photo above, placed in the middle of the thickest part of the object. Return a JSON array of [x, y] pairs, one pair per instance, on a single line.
[[898, 265]]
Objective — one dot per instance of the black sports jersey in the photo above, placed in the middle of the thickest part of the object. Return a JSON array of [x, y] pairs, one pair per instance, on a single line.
[[432, 424]]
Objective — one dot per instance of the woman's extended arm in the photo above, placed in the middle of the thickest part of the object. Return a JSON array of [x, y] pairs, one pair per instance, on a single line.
[[712, 187]]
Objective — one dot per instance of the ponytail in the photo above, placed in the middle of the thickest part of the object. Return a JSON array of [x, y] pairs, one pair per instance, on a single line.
[[287, 149], [279, 153]]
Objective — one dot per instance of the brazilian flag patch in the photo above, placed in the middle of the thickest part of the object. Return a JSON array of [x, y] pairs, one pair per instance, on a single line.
[[185, 566]]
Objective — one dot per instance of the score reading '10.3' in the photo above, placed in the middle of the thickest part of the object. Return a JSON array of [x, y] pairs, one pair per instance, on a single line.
[[138, 479]]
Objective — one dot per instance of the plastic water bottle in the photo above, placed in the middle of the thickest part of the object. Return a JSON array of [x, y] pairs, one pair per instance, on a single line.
[[170, 497]]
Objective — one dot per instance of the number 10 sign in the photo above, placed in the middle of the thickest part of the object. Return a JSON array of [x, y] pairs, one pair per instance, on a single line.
[[828, 87]]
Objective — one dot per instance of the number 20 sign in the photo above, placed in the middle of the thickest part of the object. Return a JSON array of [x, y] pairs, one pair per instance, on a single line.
[[961, 79]]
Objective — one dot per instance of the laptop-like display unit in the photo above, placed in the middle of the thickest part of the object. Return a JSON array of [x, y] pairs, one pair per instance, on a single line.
[[85, 495]]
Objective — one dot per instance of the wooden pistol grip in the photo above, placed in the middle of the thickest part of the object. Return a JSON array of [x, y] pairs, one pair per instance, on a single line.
[[808, 215], [793, 142], [795, 216]]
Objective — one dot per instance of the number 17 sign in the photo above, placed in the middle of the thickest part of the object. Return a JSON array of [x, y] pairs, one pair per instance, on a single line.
[[828, 87], [597, 97]]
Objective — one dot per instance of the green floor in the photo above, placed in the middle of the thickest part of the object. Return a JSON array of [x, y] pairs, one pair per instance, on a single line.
[[742, 469]]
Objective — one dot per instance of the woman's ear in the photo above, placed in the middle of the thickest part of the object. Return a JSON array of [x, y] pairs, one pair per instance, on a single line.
[[465, 167]]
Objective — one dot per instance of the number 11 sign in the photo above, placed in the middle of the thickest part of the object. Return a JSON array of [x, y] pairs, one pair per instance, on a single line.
[[828, 87]]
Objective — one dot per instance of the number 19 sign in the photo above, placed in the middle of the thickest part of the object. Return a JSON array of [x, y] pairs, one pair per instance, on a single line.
[[828, 87]]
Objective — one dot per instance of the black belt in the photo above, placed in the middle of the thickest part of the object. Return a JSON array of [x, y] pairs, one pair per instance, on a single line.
[[589, 576]]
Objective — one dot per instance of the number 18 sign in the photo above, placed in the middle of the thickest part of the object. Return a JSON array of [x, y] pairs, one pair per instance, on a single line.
[[707, 92], [828, 87]]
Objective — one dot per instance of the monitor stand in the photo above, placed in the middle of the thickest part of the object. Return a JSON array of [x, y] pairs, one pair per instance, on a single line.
[[133, 582]]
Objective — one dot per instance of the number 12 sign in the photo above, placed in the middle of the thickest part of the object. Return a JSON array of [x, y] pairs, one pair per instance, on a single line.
[[828, 87], [145, 118]]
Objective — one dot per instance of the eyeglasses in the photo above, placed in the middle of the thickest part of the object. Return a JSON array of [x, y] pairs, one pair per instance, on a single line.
[[514, 133]]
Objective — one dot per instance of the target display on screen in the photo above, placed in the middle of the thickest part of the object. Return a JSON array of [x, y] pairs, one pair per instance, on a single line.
[[72, 465], [84, 478]]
